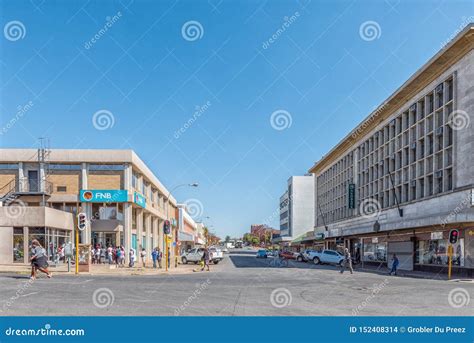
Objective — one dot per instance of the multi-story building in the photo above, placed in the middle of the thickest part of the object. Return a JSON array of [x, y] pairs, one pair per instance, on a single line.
[[187, 228], [401, 180], [42, 191], [296, 208]]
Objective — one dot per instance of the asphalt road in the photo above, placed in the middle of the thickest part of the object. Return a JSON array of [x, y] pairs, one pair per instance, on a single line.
[[239, 285]]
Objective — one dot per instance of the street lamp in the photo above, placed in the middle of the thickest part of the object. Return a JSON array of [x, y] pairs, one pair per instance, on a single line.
[[194, 184]]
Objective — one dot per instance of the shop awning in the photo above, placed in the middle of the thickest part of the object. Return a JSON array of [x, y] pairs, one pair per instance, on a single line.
[[299, 239]]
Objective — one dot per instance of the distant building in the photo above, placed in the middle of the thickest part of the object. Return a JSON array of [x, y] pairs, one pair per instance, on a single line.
[[261, 230], [296, 208]]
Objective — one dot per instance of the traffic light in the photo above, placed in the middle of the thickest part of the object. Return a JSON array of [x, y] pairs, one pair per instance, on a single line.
[[167, 227], [81, 221], [453, 236]]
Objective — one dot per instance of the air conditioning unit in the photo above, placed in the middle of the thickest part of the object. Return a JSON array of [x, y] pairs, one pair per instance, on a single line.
[[439, 131], [413, 145], [392, 122], [392, 156], [439, 173], [381, 163], [413, 183], [439, 88], [413, 107]]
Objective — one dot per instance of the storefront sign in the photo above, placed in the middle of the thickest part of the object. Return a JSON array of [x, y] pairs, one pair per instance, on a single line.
[[375, 239], [139, 199], [351, 195], [436, 235], [103, 195]]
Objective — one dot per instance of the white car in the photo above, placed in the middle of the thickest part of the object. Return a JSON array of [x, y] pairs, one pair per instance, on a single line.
[[195, 255], [326, 256]]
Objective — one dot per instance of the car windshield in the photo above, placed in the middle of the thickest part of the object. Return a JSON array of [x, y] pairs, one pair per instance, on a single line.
[[261, 251]]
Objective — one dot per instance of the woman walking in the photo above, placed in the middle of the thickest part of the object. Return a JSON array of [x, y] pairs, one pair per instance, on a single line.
[[38, 260]]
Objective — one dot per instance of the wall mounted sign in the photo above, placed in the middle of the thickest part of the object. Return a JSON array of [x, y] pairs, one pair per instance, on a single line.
[[103, 195], [351, 195], [139, 199]]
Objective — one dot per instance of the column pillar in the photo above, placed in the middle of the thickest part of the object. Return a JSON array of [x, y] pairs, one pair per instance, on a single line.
[[21, 177], [154, 223], [26, 246], [127, 229], [139, 228]]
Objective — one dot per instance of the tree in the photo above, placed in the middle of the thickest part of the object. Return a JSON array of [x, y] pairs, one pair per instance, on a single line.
[[227, 239]]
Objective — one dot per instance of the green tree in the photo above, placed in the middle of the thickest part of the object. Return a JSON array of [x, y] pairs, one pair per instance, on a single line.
[[227, 239]]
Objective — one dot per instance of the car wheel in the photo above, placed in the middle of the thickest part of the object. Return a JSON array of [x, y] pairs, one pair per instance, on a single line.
[[299, 259], [184, 260], [316, 260], [196, 262], [216, 262]]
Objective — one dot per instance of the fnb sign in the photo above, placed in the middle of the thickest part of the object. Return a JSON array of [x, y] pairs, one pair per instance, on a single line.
[[103, 195]]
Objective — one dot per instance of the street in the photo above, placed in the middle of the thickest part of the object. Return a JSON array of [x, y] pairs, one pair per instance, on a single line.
[[241, 285]]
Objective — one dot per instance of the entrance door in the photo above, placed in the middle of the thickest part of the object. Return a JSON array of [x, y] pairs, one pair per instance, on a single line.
[[33, 181], [404, 252]]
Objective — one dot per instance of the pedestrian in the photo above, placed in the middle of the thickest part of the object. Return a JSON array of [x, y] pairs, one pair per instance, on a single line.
[[97, 254], [110, 254], [160, 257], [38, 260], [154, 257], [395, 263], [206, 258], [143, 257], [347, 261], [131, 256], [122, 256]]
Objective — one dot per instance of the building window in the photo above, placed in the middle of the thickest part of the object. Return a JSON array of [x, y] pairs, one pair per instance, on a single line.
[[18, 247], [57, 166], [435, 252], [375, 252], [61, 188], [8, 165], [114, 167], [134, 180]]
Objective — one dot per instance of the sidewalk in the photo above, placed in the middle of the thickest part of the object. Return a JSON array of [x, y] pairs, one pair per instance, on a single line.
[[382, 270], [102, 269]]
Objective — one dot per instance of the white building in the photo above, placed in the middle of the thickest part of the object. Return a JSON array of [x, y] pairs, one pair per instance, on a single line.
[[297, 208]]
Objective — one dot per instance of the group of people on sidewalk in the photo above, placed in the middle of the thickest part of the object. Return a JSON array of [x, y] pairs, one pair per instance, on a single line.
[[347, 263]]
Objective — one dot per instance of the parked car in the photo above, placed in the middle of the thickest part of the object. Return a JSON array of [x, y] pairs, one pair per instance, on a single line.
[[303, 256], [288, 255], [326, 256], [195, 255], [261, 254]]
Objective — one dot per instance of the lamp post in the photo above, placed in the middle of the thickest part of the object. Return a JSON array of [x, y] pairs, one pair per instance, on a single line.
[[195, 184]]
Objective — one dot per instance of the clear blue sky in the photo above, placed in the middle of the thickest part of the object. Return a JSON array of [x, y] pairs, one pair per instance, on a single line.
[[142, 69]]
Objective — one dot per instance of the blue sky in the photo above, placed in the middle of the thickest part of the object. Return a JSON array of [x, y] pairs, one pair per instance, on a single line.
[[217, 84]]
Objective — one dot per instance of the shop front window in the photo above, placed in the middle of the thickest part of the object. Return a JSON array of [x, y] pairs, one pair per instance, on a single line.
[[435, 252], [38, 234], [18, 250], [375, 252]]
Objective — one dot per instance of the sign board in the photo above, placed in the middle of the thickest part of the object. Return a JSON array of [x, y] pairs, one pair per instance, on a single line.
[[103, 195], [139, 199], [436, 235], [351, 195], [375, 239], [68, 249]]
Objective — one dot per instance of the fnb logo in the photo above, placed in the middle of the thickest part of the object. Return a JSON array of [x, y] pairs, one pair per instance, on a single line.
[[106, 196]]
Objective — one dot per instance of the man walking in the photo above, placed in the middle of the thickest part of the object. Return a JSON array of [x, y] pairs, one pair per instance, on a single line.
[[159, 257], [395, 264], [154, 257], [206, 259], [347, 261]]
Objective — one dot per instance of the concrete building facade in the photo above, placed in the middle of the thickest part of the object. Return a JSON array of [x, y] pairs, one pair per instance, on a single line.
[[296, 208], [124, 201], [401, 180]]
